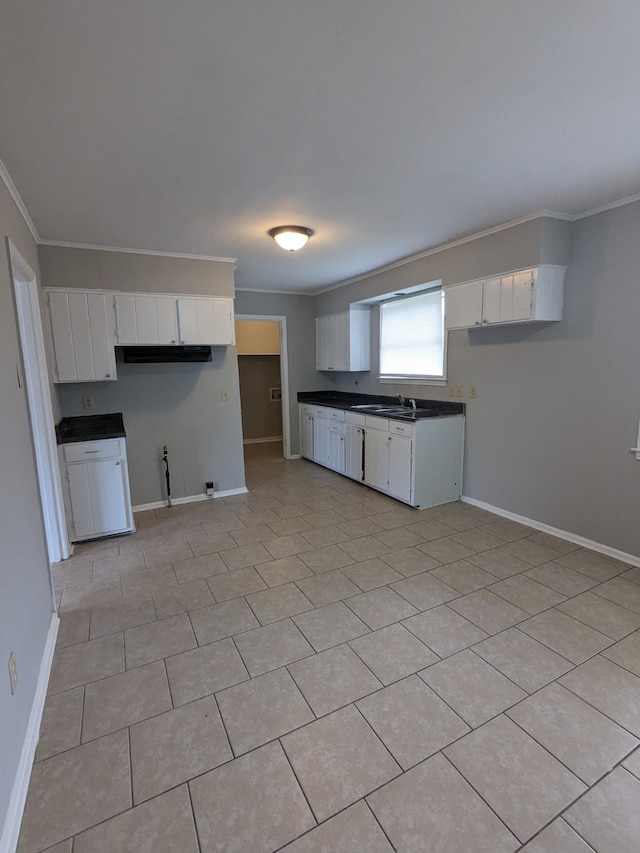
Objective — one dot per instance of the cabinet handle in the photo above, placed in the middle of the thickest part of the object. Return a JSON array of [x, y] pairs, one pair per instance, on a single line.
[[92, 451], [478, 323], [173, 340], [107, 376], [181, 342], [117, 463], [485, 321]]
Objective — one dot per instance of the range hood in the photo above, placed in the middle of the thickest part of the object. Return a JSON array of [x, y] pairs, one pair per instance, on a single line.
[[160, 355]]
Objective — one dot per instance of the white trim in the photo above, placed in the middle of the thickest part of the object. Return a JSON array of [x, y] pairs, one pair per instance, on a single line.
[[295, 456], [15, 195], [630, 199], [280, 292], [38, 394], [546, 214], [614, 553], [284, 374], [11, 830], [189, 499], [95, 248], [272, 438]]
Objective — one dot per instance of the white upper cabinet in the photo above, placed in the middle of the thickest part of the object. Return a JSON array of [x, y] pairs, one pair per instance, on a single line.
[[83, 334], [343, 341], [143, 319], [164, 320], [525, 296]]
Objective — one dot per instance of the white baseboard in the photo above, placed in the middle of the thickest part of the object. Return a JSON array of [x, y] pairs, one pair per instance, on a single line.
[[294, 456], [11, 831], [614, 553], [262, 440], [190, 499]]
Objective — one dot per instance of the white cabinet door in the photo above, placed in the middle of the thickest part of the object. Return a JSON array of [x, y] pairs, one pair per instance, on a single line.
[[335, 448], [142, 319], [508, 298], [98, 498], [376, 459], [323, 343], [463, 305], [320, 440], [196, 321], [224, 325], [354, 441], [83, 336], [306, 436], [343, 341], [340, 340], [400, 465]]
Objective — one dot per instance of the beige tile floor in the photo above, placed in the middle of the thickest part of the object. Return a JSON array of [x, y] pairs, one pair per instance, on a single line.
[[315, 667]]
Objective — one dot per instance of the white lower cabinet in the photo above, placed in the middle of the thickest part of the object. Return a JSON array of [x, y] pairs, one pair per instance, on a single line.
[[419, 464], [96, 488]]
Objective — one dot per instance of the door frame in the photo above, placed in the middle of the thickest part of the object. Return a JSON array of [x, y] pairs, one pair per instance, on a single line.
[[284, 375], [36, 376]]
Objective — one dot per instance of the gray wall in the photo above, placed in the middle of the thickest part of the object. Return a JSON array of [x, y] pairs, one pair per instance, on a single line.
[[25, 598], [558, 403], [179, 405], [300, 312], [96, 268], [261, 418]]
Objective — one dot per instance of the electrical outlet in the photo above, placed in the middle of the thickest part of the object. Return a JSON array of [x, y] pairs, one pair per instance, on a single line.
[[225, 395], [13, 672], [451, 390], [473, 391], [87, 403], [209, 488], [460, 391]]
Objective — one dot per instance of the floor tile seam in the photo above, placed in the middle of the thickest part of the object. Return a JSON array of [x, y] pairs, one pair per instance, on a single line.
[[444, 701], [599, 630], [420, 610], [386, 624], [594, 590], [542, 586], [611, 660], [121, 630], [224, 726], [604, 713], [573, 663], [588, 785], [475, 790], [499, 672], [346, 704], [193, 817], [587, 788]]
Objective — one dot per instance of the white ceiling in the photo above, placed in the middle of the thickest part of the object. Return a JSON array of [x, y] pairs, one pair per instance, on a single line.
[[388, 126]]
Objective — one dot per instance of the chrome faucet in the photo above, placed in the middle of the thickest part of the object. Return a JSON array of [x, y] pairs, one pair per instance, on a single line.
[[401, 400]]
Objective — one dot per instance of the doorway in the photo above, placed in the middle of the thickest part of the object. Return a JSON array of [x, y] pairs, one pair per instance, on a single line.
[[261, 342], [36, 379]]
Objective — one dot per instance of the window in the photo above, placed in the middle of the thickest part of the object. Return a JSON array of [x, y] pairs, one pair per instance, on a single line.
[[412, 337]]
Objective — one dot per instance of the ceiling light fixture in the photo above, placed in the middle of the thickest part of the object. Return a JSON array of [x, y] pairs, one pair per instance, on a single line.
[[290, 237]]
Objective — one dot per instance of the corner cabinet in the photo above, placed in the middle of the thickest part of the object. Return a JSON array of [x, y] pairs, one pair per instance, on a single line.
[[83, 331], [524, 296], [95, 487], [343, 341]]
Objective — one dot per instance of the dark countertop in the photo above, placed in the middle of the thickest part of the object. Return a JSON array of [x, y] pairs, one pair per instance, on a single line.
[[348, 402], [90, 428]]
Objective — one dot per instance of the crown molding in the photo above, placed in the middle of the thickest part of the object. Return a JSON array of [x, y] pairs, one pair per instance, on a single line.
[[15, 195], [549, 214], [126, 250], [279, 292], [621, 202]]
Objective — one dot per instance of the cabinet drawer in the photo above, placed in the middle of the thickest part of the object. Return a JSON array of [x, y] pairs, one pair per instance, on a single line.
[[355, 418], [335, 414], [306, 408], [401, 429], [381, 424], [320, 412], [337, 428], [86, 451]]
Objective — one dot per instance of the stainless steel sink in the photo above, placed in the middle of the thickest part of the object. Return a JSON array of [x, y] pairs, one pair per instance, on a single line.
[[370, 407]]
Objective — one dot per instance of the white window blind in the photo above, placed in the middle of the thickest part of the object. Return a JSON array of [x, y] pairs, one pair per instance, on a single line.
[[412, 336]]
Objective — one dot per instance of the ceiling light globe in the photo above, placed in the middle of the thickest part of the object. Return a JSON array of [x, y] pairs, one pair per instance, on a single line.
[[290, 237]]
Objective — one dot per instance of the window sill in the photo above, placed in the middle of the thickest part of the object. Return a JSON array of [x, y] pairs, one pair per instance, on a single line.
[[405, 380]]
